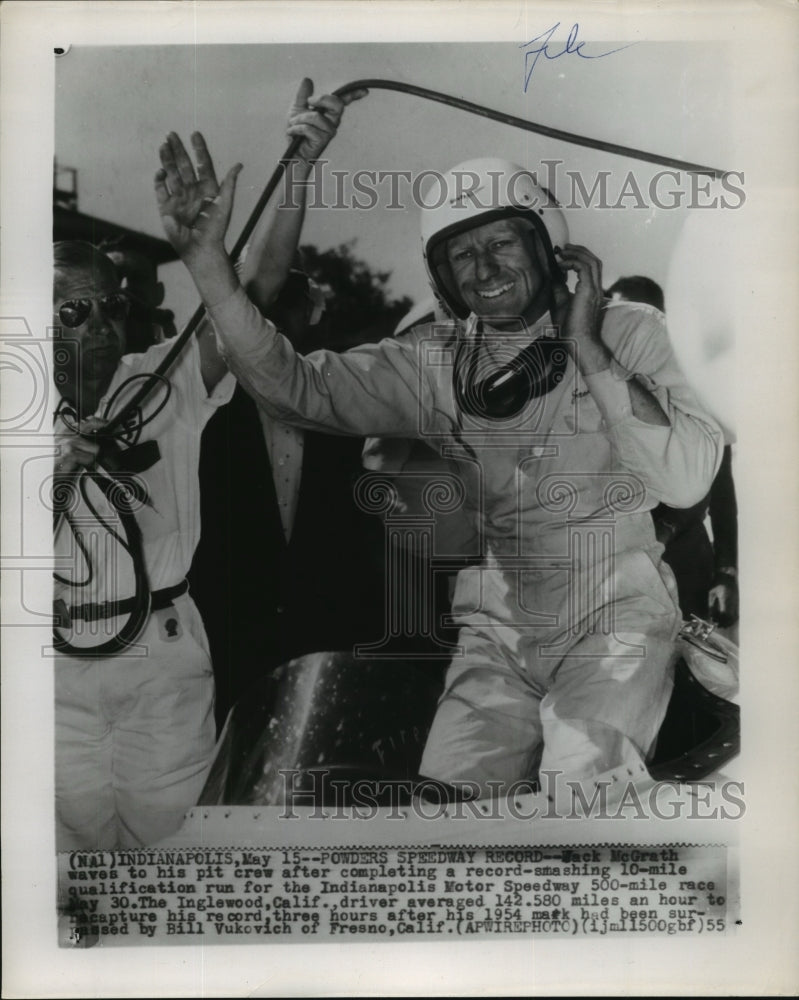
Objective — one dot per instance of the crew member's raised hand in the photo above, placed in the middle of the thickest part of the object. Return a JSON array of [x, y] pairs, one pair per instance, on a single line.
[[195, 209], [316, 119]]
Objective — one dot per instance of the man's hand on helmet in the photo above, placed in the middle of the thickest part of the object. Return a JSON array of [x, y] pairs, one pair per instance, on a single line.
[[580, 314]]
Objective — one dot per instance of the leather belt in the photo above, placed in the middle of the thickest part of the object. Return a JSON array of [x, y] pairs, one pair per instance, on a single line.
[[159, 599]]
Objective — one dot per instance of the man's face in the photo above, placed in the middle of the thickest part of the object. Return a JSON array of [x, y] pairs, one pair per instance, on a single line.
[[496, 270], [93, 348]]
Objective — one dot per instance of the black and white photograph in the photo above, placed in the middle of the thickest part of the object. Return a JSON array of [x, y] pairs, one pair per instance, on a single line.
[[398, 547]]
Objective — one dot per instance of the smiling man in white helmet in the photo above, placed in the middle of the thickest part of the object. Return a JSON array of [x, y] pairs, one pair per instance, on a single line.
[[568, 420]]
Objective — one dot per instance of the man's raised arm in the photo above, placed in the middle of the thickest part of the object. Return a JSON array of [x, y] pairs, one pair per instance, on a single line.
[[370, 390], [268, 257]]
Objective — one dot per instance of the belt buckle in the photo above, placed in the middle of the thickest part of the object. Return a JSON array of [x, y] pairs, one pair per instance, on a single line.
[[96, 612]]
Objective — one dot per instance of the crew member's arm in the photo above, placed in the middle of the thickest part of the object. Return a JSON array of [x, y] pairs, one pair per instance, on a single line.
[[274, 242], [652, 418], [374, 389]]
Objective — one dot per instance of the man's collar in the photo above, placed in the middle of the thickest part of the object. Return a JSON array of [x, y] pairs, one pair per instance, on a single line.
[[523, 333]]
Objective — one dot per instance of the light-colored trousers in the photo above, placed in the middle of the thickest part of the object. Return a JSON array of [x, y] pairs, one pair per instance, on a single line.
[[134, 737], [581, 698]]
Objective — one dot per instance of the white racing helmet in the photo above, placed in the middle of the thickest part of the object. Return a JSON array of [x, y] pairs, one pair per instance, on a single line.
[[477, 192]]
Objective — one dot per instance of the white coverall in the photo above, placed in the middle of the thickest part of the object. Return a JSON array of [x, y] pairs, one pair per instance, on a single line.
[[135, 732], [568, 624]]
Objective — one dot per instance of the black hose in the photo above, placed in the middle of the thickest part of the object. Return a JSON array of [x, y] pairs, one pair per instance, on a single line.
[[552, 133], [118, 498]]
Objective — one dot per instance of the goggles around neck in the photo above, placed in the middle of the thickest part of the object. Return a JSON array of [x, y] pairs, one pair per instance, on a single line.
[[535, 371], [74, 312]]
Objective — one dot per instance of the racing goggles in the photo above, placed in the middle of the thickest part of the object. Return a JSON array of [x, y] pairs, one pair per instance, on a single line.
[[75, 312], [534, 372]]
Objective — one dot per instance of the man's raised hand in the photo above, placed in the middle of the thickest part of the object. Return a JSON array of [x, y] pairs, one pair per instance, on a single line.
[[195, 209], [316, 119]]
